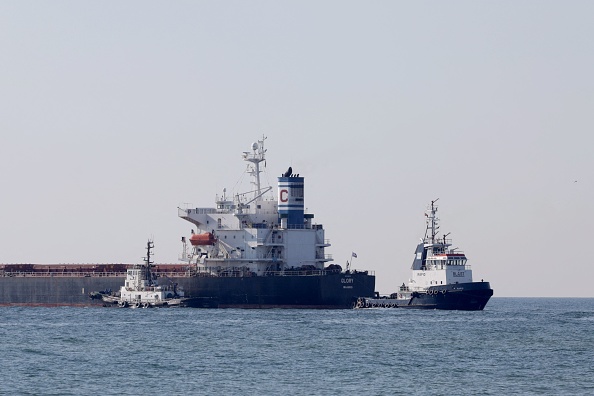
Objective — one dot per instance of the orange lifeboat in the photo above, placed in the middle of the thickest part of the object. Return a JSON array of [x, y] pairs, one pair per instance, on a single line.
[[202, 239]]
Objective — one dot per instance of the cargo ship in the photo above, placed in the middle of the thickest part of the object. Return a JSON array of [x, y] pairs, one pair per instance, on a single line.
[[250, 250], [441, 277]]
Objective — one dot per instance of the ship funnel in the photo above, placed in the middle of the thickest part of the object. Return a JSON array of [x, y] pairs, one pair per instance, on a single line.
[[290, 200]]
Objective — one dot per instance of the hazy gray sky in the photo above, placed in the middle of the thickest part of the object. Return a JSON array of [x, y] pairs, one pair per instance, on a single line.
[[115, 113]]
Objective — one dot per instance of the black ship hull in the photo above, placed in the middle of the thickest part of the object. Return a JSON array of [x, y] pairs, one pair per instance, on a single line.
[[32, 290], [464, 297], [330, 290], [472, 296], [334, 290]]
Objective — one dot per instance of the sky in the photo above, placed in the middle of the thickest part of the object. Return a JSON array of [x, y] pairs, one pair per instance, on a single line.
[[113, 114]]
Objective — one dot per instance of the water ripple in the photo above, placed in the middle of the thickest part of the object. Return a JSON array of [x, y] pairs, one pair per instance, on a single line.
[[515, 346]]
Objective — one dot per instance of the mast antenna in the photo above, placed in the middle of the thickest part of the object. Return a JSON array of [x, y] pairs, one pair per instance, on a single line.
[[255, 157], [432, 221]]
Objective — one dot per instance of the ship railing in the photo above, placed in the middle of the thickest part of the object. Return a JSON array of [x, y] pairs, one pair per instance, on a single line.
[[240, 272], [304, 227], [312, 272], [271, 226], [198, 211], [442, 266], [261, 226], [43, 274], [266, 257], [297, 226], [215, 271], [299, 273], [264, 241], [173, 274], [437, 242], [46, 274]]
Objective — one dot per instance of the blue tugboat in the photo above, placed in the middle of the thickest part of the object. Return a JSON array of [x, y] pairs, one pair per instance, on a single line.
[[441, 277]]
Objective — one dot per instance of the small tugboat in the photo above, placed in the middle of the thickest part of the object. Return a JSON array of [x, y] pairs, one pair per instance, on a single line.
[[141, 289], [441, 277]]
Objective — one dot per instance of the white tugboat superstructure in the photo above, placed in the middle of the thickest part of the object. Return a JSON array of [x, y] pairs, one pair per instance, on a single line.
[[435, 262]]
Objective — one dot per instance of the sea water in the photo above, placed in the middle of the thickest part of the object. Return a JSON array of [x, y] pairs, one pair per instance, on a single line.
[[515, 346]]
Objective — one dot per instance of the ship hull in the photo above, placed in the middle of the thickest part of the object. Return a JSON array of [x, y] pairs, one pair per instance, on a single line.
[[472, 296], [338, 290], [332, 291], [55, 290], [464, 297]]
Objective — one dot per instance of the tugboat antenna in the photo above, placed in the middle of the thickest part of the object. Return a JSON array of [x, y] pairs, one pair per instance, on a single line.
[[432, 221], [149, 245]]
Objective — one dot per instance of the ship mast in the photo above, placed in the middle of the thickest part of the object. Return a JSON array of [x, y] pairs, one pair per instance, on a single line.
[[255, 158], [432, 221], [147, 260]]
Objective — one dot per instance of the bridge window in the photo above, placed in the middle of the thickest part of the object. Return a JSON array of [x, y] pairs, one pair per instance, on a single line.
[[297, 192]]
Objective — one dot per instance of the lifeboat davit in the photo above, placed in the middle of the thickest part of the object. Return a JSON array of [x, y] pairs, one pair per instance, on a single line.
[[202, 239]]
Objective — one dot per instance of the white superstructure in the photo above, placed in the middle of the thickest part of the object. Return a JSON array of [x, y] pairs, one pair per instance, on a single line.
[[255, 233], [435, 263]]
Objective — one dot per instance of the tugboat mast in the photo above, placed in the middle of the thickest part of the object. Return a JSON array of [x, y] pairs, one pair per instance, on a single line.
[[149, 245], [432, 221], [147, 260]]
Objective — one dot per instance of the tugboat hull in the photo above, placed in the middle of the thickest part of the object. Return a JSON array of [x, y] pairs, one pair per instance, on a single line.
[[465, 297]]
